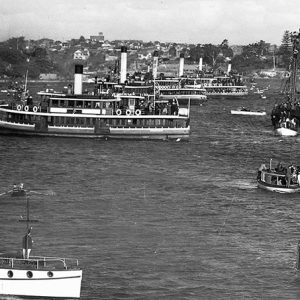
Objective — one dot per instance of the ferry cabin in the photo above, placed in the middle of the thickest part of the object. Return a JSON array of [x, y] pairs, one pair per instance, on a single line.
[[196, 96], [219, 86], [91, 116]]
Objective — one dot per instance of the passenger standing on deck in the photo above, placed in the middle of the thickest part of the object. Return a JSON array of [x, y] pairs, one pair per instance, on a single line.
[[27, 244], [288, 176]]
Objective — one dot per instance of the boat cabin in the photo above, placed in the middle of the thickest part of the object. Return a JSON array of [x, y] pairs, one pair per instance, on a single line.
[[273, 178]]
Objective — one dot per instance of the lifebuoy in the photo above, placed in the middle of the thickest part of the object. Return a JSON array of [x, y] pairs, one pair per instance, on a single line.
[[35, 109], [19, 107], [138, 112], [128, 112], [26, 108], [119, 112]]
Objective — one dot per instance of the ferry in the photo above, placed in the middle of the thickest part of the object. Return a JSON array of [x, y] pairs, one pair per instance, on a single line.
[[38, 276], [280, 179], [168, 89], [219, 86], [100, 114]]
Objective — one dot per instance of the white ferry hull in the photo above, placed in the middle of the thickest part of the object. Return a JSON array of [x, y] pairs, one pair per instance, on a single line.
[[278, 189], [247, 113], [63, 284], [90, 132], [285, 131]]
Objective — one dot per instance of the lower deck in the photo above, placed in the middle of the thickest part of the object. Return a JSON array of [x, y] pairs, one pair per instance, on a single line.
[[77, 125]]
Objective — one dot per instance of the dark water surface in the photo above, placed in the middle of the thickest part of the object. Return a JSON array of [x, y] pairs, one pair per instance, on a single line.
[[162, 220]]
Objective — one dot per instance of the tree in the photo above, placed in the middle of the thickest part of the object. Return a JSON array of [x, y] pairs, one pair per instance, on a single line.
[[285, 49], [81, 39]]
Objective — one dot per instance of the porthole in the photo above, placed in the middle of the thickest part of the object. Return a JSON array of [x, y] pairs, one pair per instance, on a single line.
[[10, 274], [50, 274], [29, 274]]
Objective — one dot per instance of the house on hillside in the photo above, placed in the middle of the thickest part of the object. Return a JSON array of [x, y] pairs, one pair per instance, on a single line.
[[144, 56], [81, 54]]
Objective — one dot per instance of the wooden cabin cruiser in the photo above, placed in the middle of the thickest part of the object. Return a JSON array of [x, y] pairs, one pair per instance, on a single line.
[[281, 180], [97, 115], [39, 276]]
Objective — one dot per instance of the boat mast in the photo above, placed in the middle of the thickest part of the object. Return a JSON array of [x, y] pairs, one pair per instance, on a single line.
[[295, 38]]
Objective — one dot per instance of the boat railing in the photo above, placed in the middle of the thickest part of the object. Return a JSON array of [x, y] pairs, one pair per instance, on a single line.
[[39, 262]]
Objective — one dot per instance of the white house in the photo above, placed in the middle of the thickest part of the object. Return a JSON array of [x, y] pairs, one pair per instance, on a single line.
[[81, 54]]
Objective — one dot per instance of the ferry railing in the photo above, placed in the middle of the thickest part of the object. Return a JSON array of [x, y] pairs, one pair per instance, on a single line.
[[39, 262]]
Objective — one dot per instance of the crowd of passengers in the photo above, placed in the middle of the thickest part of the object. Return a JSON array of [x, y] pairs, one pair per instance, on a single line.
[[286, 114], [224, 90], [149, 108], [291, 172]]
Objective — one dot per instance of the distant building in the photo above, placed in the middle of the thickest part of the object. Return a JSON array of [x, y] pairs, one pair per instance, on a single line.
[[48, 76], [81, 54], [107, 46], [110, 57], [97, 38]]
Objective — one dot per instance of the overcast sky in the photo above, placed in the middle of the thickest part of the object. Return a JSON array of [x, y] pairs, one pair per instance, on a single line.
[[189, 21]]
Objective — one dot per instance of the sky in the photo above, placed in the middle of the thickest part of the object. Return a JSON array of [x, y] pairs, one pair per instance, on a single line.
[[241, 22]]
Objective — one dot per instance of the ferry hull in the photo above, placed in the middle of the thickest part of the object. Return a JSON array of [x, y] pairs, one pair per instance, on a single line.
[[7, 128], [285, 131], [278, 189], [62, 284]]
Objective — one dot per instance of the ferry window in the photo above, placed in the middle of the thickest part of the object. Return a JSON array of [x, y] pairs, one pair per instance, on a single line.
[[79, 103], [71, 103], [29, 274], [87, 104], [62, 102], [10, 274], [55, 103], [50, 274]]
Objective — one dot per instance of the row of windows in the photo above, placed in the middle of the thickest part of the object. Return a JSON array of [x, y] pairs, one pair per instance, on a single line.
[[29, 274], [182, 92], [92, 122]]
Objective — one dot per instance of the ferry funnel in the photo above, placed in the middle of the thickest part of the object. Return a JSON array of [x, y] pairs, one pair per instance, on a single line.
[[155, 64], [123, 64], [78, 79], [181, 64], [200, 64], [229, 68]]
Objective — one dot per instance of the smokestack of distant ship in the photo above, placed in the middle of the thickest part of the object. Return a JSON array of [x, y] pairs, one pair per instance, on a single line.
[[123, 64], [229, 68], [200, 64], [155, 64], [181, 64], [78, 79]]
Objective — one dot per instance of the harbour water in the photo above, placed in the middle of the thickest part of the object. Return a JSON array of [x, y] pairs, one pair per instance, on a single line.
[[162, 220]]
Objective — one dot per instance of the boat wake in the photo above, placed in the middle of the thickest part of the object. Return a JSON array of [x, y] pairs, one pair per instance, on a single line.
[[240, 184]]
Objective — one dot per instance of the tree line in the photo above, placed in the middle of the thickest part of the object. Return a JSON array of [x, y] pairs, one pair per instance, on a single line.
[[16, 57]]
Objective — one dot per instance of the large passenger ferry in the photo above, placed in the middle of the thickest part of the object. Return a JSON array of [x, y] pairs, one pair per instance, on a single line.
[[168, 89], [98, 114], [220, 86]]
